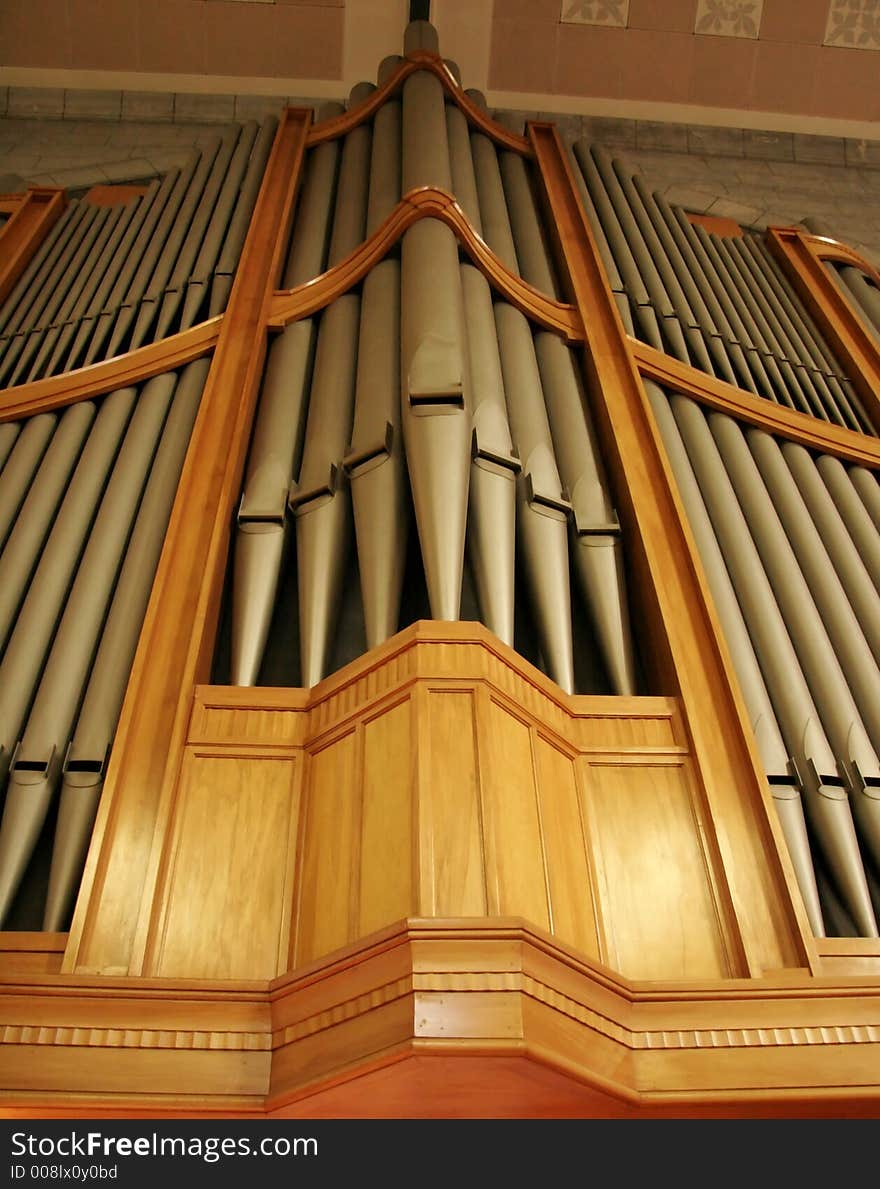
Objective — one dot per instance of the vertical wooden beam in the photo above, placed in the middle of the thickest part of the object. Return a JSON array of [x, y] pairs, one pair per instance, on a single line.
[[177, 641], [801, 257], [25, 229], [765, 924]]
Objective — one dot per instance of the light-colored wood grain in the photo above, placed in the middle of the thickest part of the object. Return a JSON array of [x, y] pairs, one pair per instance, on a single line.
[[656, 895], [452, 849], [388, 880], [568, 869], [327, 870], [223, 898], [515, 874]]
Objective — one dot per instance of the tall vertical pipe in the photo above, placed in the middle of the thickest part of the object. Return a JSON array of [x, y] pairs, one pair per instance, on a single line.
[[375, 463], [320, 499], [9, 432], [436, 404], [35, 625], [854, 512], [771, 746], [36, 765], [28, 448], [86, 759], [818, 768], [227, 263]]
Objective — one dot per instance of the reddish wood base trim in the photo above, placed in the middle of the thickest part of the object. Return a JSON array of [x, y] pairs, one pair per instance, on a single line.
[[468, 1018]]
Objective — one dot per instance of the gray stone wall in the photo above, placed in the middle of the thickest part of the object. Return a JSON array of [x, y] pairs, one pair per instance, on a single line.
[[77, 139]]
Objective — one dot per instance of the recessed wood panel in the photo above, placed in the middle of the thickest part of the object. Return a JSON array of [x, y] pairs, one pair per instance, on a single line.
[[568, 874], [331, 828], [387, 847], [231, 857], [655, 889], [514, 846], [451, 838]]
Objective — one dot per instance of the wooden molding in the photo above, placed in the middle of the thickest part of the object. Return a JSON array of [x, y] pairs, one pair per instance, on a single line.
[[85, 383], [812, 432], [490, 1017], [176, 642], [419, 60], [693, 658], [426, 202], [31, 220], [801, 257]]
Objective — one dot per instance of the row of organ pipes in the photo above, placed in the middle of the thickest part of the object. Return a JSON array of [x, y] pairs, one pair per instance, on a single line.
[[789, 539], [86, 492], [111, 278], [423, 398]]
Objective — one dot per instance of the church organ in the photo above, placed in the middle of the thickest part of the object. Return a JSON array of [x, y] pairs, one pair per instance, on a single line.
[[476, 578]]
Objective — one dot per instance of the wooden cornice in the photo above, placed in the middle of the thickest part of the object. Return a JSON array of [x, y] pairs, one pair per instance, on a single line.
[[492, 1016], [426, 202], [31, 217], [419, 60], [56, 392], [709, 391], [827, 248]]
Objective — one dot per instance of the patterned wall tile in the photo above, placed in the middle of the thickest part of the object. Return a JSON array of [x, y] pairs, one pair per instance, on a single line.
[[854, 23], [729, 18], [595, 12]]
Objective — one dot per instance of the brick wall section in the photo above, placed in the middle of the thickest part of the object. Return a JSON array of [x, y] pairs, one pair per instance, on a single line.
[[79, 138]]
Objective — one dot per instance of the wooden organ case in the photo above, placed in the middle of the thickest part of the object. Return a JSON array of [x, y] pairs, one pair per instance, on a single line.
[[440, 881]]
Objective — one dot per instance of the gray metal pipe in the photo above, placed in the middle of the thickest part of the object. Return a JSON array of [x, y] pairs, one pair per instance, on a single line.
[[851, 647], [645, 316], [118, 256], [596, 545], [275, 455], [855, 514], [21, 465], [9, 431], [771, 747], [436, 405], [59, 337], [125, 321], [35, 625], [209, 250], [86, 760], [136, 247], [494, 219], [227, 263], [866, 484], [854, 577], [532, 251], [25, 288], [36, 764], [828, 683], [176, 286], [542, 505], [817, 767], [675, 254], [39, 509], [375, 463]]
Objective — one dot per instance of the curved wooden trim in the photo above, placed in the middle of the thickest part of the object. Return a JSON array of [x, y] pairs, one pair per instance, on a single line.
[[826, 248], [419, 60], [802, 258], [288, 305], [56, 392], [716, 394]]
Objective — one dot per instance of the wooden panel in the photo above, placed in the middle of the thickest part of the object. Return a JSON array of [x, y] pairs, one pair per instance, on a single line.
[[31, 953], [228, 885], [568, 873], [28, 225], [716, 224], [656, 893], [327, 893], [113, 195], [514, 847], [451, 839], [387, 885]]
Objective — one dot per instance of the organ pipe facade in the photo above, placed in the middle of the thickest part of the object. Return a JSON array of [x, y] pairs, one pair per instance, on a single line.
[[439, 634]]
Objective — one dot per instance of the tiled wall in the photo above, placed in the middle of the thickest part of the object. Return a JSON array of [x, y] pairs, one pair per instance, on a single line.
[[275, 39], [818, 58]]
